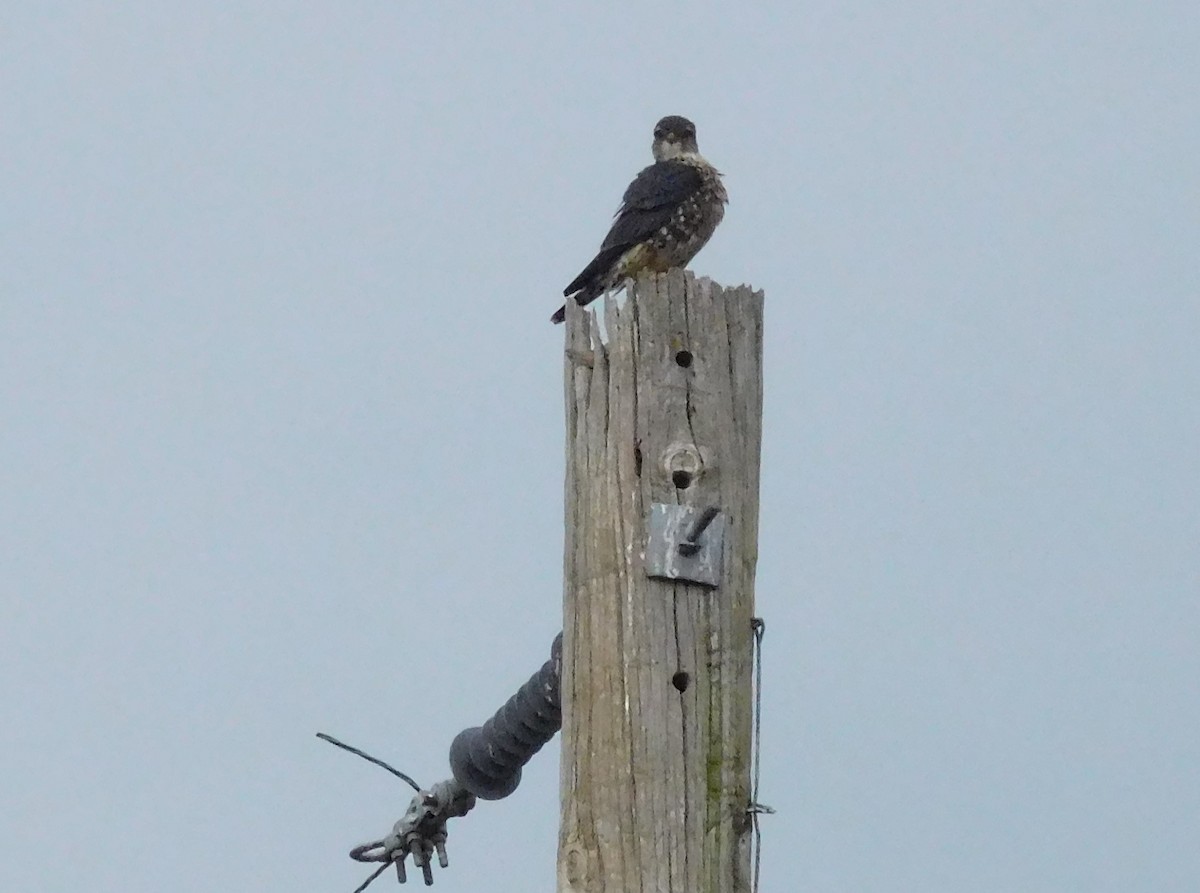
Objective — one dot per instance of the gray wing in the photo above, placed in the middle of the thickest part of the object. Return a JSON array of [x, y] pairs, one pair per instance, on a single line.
[[653, 196], [647, 206]]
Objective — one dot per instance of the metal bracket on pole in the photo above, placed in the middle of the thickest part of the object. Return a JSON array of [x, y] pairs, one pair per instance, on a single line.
[[685, 543]]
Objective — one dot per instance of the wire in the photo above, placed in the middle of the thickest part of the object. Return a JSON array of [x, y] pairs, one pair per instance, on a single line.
[[370, 759], [758, 627]]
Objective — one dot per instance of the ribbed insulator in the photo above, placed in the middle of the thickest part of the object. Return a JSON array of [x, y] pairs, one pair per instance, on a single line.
[[487, 759]]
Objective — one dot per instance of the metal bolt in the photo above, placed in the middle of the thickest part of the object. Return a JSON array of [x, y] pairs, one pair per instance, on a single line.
[[691, 545]]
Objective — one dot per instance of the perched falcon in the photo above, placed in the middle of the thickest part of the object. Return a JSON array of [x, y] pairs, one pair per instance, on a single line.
[[669, 211]]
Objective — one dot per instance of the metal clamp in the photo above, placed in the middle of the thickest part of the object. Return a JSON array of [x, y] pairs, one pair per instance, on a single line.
[[420, 833]]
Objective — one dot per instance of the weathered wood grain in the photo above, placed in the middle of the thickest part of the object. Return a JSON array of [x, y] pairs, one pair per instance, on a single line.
[[655, 781]]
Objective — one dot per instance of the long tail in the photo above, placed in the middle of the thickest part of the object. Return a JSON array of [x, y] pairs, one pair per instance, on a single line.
[[583, 297], [590, 284]]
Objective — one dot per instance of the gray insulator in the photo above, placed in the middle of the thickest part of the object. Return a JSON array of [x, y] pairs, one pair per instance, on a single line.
[[487, 759]]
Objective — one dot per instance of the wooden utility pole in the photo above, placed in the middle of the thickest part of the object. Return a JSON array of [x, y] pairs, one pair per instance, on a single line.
[[656, 684]]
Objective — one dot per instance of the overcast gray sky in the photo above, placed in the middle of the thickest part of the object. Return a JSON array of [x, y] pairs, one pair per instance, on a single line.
[[274, 288]]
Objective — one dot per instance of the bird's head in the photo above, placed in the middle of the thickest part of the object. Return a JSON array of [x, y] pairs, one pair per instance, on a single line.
[[674, 135]]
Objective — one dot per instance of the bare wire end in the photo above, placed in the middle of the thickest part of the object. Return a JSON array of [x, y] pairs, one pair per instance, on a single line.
[[370, 759]]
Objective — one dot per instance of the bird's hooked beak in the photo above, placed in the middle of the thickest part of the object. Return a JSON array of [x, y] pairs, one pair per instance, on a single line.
[[672, 146]]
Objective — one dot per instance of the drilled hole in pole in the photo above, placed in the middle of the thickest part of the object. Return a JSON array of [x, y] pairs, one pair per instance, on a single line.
[[684, 358], [681, 681], [681, 479]]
